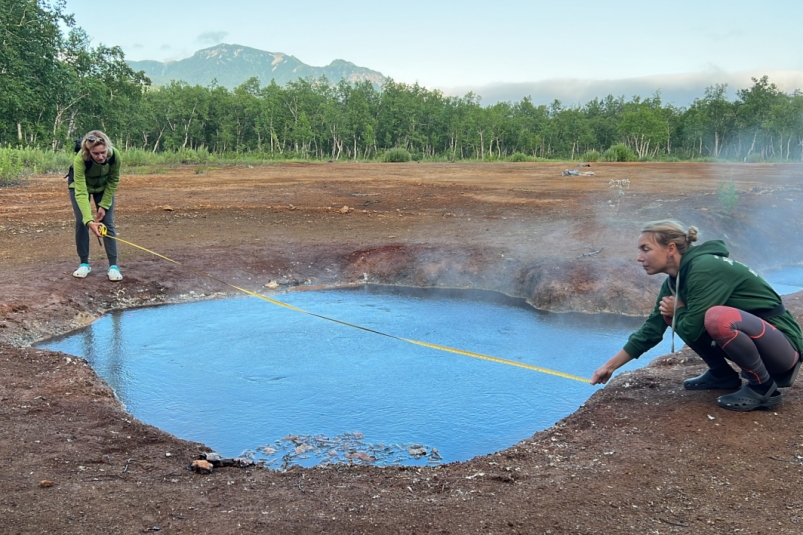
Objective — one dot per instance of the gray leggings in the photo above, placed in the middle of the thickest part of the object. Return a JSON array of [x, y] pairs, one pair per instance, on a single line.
[[82, 231], [754, 345]]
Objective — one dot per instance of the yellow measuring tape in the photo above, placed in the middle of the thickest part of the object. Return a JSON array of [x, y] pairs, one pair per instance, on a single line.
[[105, 234]]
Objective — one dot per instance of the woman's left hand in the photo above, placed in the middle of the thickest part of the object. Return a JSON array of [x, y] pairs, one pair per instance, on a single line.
[[94, 227], [667, 306], [100, 215]]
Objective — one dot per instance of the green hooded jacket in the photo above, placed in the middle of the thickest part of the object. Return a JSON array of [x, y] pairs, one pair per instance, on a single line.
[[97, 178], [709, 278]]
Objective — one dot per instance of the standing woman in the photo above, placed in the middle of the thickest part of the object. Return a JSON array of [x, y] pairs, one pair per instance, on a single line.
[[96, 175], [723, 311]]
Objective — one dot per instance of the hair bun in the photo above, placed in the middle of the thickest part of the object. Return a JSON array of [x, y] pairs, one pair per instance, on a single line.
[[691, 235]]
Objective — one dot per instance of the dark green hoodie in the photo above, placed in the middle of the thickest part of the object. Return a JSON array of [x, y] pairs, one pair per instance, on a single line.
[[709, 278]]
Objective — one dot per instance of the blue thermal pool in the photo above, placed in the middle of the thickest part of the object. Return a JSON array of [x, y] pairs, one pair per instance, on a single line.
[[244, 376], [786, 281]]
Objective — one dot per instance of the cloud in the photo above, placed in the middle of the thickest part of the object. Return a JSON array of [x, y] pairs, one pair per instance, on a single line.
[[212, 38], [730, 35], [678, 89]]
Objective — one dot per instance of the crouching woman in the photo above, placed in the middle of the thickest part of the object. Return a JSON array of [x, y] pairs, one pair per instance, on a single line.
[[723, 311]]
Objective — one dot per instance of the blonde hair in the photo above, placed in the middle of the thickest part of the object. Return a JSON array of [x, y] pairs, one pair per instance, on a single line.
[[669, 231], [92, 139]]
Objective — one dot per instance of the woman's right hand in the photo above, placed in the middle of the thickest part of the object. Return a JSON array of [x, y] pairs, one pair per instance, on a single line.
[[602, 375], [605, 372]]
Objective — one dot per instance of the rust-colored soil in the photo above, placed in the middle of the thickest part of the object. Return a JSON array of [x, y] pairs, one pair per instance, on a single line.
[[641, 456]]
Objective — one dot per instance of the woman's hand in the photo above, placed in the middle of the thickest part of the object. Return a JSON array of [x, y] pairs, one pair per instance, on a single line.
[[602, 375], [95, 228], [667, 306], [100, 215]]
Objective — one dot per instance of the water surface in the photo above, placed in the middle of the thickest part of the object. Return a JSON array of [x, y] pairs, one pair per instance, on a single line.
[[787, 280], [241, 374]]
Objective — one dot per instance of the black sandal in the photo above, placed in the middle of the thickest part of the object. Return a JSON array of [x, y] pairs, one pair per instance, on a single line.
[[748, 399], [709, 381], [785, 379]]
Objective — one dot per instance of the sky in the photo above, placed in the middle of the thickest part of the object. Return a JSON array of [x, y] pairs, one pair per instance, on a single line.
[[491, 47]]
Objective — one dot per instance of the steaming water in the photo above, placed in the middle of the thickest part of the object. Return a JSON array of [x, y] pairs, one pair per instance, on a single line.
[[239, 374]]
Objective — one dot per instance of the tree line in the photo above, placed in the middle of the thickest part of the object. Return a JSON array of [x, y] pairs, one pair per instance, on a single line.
[[54, 87]]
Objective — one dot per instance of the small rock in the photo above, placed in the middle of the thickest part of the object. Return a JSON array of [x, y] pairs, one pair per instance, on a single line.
[[303, 448], [417, 451], [167, 208], [361, 456], [45, 483], [344, 210], [212, 457], [272, 285]]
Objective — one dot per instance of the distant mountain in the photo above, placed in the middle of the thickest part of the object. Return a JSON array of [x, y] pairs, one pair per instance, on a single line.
[[231, 65]]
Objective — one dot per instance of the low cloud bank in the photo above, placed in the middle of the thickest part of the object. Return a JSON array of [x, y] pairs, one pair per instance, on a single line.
[[678, 89]]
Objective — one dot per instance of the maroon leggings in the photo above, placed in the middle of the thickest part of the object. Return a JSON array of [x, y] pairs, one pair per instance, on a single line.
[[751, 343]]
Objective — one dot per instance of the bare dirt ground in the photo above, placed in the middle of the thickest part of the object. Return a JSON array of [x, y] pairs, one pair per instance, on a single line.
[[641, 456]]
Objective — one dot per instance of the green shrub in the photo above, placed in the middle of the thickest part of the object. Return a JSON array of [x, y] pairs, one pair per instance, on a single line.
[[397, 155], [43, 161], [519, 157], [619, 153], [16, 163], [439, 158], [591, 156], [10, 166], [185, 156], [138, 158], [727, 195]]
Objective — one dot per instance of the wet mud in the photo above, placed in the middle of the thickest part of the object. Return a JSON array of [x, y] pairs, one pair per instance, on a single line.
[[641, 455]]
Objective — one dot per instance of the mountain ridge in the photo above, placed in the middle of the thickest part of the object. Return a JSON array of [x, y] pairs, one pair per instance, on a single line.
[[231, 65]]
